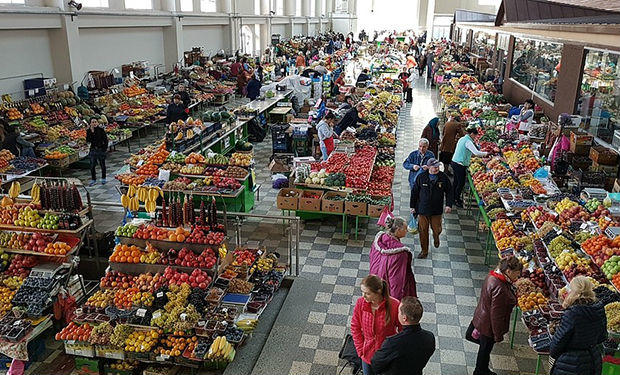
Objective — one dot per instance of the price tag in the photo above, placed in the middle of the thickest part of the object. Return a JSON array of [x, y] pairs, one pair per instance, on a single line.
[[140, 163], [160, 294], [583, 226], [164, 175], [201, 323], [183, 316], [162, 357], [259, 252], [226, 142], [225, 323], [197, 130], [173, 153], [141, 313], [71, 342], [156, 314], [16, 323]]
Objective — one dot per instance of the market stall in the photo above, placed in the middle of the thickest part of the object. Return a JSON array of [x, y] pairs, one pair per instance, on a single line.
[[174, 293]]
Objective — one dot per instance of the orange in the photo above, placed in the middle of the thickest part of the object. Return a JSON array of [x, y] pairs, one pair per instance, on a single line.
[[180, 237], [173, 237], [179, 230]]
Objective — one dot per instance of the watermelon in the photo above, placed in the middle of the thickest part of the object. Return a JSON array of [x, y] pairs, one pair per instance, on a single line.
[[207, 116], [225, 115], [215, 117]]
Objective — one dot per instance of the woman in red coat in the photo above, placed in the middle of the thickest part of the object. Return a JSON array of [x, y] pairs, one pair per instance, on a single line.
[[375, 317], [492, 316]]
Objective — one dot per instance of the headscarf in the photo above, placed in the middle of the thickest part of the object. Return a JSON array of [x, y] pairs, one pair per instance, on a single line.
[[433, 124]]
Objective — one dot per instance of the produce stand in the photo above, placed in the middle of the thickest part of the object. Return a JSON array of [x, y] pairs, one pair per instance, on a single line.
[[554, 234], [195, 293]]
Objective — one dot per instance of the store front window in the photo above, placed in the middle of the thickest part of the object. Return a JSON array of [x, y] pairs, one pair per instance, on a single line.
[[599, 103], [536, 64], [483, 45], [463, 35]]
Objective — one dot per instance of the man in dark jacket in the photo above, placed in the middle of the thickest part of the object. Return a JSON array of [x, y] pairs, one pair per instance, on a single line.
[[427, 201], [407, 352], [350, 119], [253, 88], [185, 98], [98, 139], [363, 77], [176, 110]]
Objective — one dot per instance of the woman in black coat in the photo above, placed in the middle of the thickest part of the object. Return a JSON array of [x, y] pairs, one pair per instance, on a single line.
[[575, 346]]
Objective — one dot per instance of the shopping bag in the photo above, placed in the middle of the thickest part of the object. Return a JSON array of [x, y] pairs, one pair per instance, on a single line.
[[412, 225], [385, 214]]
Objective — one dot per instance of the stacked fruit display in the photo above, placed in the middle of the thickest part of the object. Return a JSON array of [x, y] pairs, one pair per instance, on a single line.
[[532, 301], [73, 331]]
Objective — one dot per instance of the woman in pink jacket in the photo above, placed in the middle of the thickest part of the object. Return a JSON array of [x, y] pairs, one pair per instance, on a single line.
[[391, 260], [375, 317]]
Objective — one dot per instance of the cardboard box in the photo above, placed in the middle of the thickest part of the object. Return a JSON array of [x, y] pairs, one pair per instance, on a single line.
[[329, 205], [610, 170], [603, 156], [279, 166], [308, 203], [286, 200], [375, 210], [580, 138], [579, 149], [355, 208]]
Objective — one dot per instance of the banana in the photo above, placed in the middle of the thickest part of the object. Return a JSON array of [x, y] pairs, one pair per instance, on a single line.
[[153, 194], [15, 189], [134, 204], [35, 193], [131, 191], [125, 200], [150, 206]]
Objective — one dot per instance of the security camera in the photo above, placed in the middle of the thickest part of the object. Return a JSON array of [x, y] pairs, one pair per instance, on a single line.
[[76, 5]]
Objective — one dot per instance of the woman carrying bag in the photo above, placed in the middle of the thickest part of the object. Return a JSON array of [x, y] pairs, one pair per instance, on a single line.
[[492, 316], [392, 261]]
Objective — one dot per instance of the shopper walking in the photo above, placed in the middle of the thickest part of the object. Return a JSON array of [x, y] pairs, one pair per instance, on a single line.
[[406, 352], [326, 134], [375, 317], [452, 131], [416, 161], [431, 132], [427, 201], [391, 260], [492, 316], [575, 345], [98, 139], [404, 78], [465, 147]]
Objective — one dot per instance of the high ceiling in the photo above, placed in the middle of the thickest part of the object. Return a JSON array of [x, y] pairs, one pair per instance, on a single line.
[[613, 5]]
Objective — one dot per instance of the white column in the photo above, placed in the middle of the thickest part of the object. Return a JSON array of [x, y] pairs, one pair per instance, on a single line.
[[66, 51], [305, 8], [318, 8], [265, 7], [289, 7], [173, 43], [430, 20], [265, 30], [224, 6], [353, 7], [329, 7], [170, 5]]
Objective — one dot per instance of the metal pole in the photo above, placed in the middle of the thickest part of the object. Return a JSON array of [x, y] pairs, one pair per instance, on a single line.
[[298, 225]]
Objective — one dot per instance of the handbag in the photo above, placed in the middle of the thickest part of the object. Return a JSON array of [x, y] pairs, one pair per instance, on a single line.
[[412, 225], [385, 214]]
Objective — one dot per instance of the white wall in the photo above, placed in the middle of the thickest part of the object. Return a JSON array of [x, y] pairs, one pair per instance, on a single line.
[[399, 15], [312, 29], [342, 25], [297, 29], [23, 52], [279, 29], [112, 47], [210, 38]]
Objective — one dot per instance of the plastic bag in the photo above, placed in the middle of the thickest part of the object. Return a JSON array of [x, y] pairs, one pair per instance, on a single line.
[[385, 214], [412, 225], [542, 172]]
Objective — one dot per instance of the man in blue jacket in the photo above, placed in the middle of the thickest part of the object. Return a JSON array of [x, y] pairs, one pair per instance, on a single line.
[[416, 161]]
